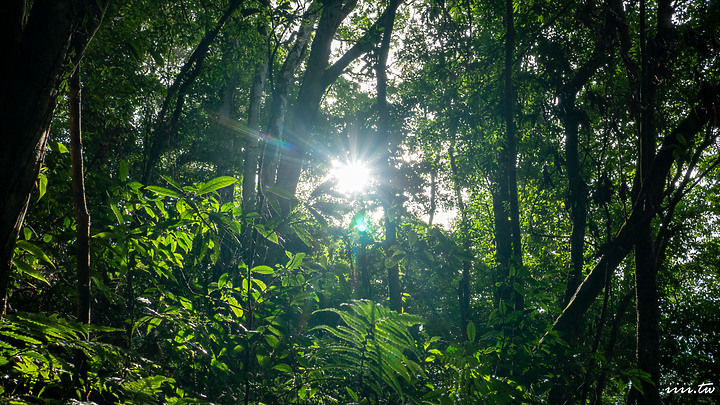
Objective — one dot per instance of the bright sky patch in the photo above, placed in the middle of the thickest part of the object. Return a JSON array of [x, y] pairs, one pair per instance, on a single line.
[[352, 177]]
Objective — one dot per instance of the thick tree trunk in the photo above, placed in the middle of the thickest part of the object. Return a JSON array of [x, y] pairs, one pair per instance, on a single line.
[[508, 253], [278, 108], [315, 82], [311, 92], [250, 168], [383, 127], [82, 216], [577, 200], [36, 56], [646, 290], [648, 316], [226, 141]]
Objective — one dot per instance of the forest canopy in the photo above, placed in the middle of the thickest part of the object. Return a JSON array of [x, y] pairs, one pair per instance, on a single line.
[[360, 202]]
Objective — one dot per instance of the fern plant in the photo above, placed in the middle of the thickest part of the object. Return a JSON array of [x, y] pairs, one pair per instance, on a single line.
[[373, 354]]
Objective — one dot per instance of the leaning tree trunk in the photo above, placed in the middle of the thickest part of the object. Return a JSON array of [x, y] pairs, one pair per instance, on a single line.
[[35, 47], [167, 120]]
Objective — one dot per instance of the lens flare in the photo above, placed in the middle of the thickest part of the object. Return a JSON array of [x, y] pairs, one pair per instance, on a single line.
[[352, 177]]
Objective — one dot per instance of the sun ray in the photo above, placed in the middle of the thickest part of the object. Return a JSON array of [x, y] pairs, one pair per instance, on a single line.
[[352, 177]]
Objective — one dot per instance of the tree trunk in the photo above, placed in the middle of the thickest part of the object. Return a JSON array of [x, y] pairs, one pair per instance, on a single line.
[[383, 127], [82, 217], [250, 170], [646, 293], [278, 108], [508, 253], [315, 82], [36, 52], [651, 194], [648, 316], [311, 92], [166, 126], [577, 200], [464, 284], [226, 136]]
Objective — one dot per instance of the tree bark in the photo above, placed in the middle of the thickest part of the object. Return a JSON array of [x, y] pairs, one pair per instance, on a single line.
[[226, 136], [278, 108], [508, 251], [250, 168], [82, 216], [165, 127], [646, 290], [383, 127], [647, 206], [36, 52], [316, 80], [464, 284], [577, 199]]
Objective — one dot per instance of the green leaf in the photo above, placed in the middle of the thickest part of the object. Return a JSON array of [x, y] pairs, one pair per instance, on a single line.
[[216, 183], [219, 365], [295, 261], [235, 306], [471, 331], [123, 170], [284, 368], [281, 193], [352, 393], [267, 234], [272, 341], [304, 235], [25, 268], [117, 213], [263, 270], [171, 182], [42, 185], [35, 251], [164, 191], [61, 148]]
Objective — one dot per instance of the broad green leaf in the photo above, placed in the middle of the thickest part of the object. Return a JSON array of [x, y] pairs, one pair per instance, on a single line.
[[42, 185], [471, 331], [35, 251], [283, 367], [263, 270], [281, 193], [171, 182], [123, 170], [272, 341], [29, 270], [296, 261], [117, 213], [216, 183], [60, 147], [352, 393], [164, 191]]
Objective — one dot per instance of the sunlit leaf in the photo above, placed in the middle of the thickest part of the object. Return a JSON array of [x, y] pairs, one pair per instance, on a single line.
[[215, 184]]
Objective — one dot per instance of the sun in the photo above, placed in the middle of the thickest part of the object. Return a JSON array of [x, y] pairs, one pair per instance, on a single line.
[[352, 177]]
